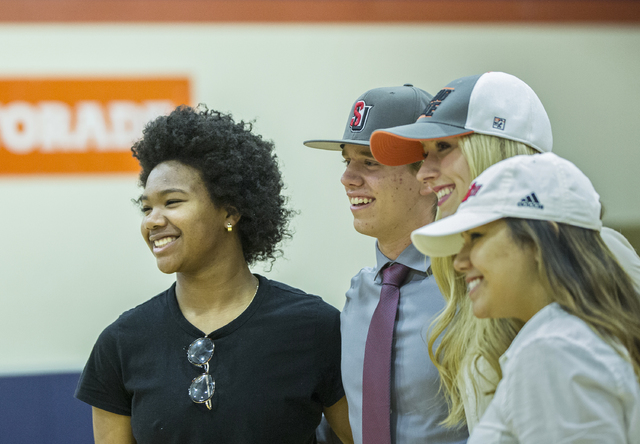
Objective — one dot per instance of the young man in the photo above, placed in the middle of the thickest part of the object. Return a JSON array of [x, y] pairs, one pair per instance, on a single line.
[[391, 385]]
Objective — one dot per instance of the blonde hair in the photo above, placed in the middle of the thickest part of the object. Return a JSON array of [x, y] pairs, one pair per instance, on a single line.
[[463, 337]]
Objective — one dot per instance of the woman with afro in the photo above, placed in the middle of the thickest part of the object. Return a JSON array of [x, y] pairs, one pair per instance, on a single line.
[[223, 355]]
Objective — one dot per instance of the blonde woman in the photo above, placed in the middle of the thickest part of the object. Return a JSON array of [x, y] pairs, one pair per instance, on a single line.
[[571, 374], [473, 123]]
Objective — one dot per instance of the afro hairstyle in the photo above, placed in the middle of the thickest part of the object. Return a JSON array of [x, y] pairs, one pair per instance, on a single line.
[[238, 168]]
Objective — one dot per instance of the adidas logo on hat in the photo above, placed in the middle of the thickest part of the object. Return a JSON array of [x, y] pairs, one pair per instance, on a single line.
[[531, 201]]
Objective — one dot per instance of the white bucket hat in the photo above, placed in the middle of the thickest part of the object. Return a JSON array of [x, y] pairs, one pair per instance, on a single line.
[[541, 186]]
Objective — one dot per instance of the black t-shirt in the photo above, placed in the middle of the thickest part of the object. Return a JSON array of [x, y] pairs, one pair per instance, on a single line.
[[275, 367]]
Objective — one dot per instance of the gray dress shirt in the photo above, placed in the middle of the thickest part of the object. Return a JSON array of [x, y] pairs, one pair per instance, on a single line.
[[417, 406]]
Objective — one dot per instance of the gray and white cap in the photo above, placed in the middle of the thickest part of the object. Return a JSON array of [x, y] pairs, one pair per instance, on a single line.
[[377, 108], [541, 186], [493, 103]]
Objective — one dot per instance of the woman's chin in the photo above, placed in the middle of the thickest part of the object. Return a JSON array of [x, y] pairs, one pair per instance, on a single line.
[[166, 267], [448, 208], [479, 311]]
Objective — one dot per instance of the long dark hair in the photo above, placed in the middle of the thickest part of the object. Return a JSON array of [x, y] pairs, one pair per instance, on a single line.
[[585, 279]]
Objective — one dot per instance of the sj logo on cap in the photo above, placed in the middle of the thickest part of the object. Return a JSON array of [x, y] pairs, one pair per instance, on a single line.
[[360, 115]]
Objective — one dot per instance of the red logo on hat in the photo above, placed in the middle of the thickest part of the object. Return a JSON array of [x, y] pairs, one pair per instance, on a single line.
[[360, 114], [473, 190], [436, 102]]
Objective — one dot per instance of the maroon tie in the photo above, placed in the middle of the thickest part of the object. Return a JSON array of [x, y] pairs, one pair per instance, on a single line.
[[376, 375]]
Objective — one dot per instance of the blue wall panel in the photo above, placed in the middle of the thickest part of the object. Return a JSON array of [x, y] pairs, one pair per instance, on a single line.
[[42, 409]]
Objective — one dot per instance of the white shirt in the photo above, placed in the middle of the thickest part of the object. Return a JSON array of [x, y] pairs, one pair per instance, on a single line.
[[562, 384]]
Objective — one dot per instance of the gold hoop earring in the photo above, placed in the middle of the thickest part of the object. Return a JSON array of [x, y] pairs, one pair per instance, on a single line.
[[229, 227]]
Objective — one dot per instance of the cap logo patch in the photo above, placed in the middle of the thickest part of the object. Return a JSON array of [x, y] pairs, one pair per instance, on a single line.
[[531, 201], [436, 102], [473, 190], [499, 123], [360, 115]]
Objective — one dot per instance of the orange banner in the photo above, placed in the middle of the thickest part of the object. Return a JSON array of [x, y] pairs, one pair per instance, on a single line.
[[79, 125]]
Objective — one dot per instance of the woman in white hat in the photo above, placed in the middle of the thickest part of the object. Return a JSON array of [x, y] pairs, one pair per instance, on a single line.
[[471, 124], [527, 243]]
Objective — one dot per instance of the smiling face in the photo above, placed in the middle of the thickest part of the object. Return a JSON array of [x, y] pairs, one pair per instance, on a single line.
[[183, 228], [446, 171], [386, 201], [502, 276]]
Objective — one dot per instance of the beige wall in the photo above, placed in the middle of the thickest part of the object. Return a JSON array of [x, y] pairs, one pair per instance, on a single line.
[[72, 259]]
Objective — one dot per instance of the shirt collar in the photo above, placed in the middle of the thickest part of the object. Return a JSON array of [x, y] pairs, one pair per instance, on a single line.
[[410, 257]]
